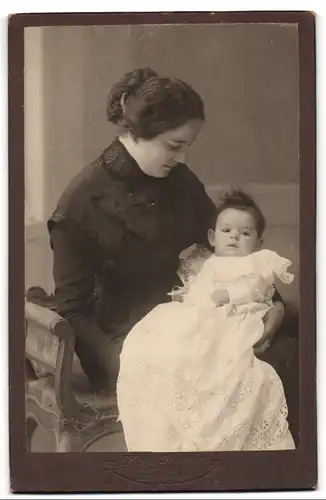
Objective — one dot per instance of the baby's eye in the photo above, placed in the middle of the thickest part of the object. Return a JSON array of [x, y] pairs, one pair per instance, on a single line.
[[246, 233], [225, 230]]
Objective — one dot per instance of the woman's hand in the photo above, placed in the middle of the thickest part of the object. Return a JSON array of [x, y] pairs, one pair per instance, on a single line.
[[272, 321], [220, 297], [261, 347]]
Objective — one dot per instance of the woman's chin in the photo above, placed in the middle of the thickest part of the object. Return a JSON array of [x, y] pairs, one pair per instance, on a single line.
[[164, 172]]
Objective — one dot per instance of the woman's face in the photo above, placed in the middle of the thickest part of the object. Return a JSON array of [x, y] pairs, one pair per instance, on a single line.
[[158, 156]]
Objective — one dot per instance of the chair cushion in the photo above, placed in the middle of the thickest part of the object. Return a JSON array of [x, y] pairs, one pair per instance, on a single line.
[[43, 389]]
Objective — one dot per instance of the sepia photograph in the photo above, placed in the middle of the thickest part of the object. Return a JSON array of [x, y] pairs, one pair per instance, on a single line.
[[163, 238]]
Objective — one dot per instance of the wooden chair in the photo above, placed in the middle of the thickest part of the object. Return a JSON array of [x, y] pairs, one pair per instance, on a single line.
[[58, 395]]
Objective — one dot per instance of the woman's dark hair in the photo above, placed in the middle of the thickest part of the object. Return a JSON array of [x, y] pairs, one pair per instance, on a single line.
[[235, 198], [147, 104]]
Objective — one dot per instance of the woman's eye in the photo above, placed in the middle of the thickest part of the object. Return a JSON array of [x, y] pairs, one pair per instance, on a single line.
[[174, 148]]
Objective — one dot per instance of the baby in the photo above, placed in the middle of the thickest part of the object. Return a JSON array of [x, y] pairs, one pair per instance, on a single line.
[[189, 379], [239, 228]]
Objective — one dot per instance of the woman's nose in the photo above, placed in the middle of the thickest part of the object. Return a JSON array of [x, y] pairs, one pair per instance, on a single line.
[[180, 157]]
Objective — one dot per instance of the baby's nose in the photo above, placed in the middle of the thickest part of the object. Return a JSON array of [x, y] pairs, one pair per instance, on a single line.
[[235, 235]]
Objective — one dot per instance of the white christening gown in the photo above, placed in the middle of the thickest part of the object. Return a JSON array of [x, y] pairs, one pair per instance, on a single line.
[[189, 380]]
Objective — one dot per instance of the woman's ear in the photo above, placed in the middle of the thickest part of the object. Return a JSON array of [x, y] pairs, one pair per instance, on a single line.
[[211, 237], [123, 101]]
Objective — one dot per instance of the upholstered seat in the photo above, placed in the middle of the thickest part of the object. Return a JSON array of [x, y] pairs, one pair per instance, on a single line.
[[45, 387]]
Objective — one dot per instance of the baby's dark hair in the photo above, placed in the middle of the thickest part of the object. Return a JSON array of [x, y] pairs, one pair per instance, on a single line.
[[235, 198], [147, 104]]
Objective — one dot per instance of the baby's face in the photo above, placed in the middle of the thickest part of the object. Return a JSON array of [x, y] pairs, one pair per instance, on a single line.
[[235, 233]]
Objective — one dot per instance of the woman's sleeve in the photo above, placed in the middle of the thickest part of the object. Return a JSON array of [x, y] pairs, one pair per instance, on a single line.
[[206, 211], [277, 297], [74, 284]]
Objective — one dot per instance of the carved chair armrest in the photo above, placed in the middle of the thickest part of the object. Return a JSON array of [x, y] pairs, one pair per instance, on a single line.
[[41, 339], [50, 341]]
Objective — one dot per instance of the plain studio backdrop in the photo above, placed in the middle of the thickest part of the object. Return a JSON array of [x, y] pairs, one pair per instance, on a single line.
[[247, 75]]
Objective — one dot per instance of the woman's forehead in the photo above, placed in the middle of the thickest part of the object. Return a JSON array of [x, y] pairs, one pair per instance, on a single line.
[[185, 133]]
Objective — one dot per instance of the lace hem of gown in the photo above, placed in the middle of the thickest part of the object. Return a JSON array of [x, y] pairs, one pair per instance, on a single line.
[[252, 416]]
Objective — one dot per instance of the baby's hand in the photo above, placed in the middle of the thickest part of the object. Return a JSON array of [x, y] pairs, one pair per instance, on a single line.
[[220, 297], [177, 293]]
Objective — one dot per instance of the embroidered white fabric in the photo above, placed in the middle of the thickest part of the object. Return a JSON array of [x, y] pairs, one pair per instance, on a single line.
[[189, 380]]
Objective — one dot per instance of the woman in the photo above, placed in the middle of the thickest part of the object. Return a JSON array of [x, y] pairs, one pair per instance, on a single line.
[[121, 224]]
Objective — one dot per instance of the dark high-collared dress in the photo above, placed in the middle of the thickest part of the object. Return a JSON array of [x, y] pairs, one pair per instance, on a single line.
[[116, 235]]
